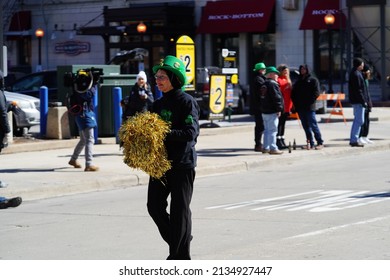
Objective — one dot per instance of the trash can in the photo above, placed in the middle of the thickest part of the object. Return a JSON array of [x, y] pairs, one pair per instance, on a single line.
[[106, 99]]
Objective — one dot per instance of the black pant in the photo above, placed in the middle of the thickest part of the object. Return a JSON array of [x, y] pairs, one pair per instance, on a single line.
[[259, 128], [175, 227], [282, 123], [366, 125]]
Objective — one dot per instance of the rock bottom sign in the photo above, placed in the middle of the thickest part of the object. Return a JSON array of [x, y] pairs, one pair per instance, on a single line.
[[72, 48]]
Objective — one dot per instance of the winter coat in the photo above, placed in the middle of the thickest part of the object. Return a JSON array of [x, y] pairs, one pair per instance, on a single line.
[[285, 88], [182, 112], [82, 103], [258, 82], [4, 125], [134, 103], [357, 88], [305, 92], [271, 99]]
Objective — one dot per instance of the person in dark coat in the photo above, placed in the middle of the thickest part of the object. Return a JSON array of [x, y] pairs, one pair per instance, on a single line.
[[140, 98], [304, 94], [259, 125], [366, 125], [181, 111], [358, 97], [271, 106], [4, 129]]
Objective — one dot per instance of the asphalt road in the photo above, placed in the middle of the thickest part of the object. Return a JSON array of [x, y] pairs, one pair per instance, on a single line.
[[322, 208]]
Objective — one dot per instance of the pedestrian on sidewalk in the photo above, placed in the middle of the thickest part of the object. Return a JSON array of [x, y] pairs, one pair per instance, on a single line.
[[182, 112], [304, 94], [285, 85], [259, 124], [4, 123], [271, 106], [82, 109], [358, 97], [4, 129], [140, 98], [363, 137]]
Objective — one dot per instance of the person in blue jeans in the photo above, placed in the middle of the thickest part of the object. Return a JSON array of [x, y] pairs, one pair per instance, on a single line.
[[4, 129], [304, 95], [358, 97], [271, 106]]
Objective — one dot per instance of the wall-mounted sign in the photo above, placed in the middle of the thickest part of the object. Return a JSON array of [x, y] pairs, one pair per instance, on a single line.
[[72, 48]]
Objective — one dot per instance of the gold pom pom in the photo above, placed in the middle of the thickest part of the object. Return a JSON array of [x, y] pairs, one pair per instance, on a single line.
[[143, 143]]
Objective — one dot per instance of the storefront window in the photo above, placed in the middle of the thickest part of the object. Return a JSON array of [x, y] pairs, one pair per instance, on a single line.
[[321, 55], [263, 48]]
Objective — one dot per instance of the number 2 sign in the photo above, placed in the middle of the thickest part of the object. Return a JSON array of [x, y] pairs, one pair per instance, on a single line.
[[185, 50], [217, 94]]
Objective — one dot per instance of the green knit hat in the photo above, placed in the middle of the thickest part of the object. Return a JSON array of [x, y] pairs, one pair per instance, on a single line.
[[175, 65]]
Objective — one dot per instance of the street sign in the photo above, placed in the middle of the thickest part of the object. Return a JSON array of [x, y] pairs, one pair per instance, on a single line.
[[217, 96], [185, 50]]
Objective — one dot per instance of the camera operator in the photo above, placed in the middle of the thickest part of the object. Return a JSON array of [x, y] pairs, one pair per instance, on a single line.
[[81, 107], [4, 129]]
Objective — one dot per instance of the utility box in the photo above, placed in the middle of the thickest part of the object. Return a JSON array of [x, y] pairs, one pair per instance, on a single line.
[[105, 112]]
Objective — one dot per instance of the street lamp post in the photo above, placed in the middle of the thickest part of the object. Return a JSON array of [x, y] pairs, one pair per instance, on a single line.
[[329, 21], [141, 29], [39, 33]]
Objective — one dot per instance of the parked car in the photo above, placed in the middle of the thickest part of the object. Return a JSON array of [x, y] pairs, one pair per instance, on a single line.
[[31, 84], [202, 90], [26, 113]]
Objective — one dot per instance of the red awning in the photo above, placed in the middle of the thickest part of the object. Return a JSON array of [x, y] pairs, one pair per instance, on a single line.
[[236, 16], [20, 25], [316, 10]]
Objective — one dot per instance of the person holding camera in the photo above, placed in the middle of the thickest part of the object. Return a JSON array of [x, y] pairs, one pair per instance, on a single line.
[[140, 98], [4, 129], [84, 88]]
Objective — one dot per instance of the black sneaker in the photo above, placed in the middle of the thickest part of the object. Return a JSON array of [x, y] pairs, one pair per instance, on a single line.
[[12, 202], [356, 144]]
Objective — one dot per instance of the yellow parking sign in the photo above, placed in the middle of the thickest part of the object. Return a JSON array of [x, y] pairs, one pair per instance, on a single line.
[[185, 50], [217, 96]]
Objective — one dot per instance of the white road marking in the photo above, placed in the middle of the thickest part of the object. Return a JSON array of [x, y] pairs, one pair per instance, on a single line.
[[325, 201], [254, 202], [332, 229]]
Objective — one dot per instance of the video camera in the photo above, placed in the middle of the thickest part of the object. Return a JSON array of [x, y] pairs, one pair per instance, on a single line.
[[83, 79]]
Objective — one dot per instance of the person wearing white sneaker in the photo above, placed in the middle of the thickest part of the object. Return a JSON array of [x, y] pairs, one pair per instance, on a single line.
[[368, 140], [362, 141], [366, 125]]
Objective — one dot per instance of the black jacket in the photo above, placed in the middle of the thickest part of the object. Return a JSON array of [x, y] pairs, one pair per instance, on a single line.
[[271, 99], [305, 92], [134, 103], [357, 89], [258, 82], [4, 125], [182, 111]]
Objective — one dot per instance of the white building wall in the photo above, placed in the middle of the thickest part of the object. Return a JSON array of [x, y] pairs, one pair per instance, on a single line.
[[293, 46]]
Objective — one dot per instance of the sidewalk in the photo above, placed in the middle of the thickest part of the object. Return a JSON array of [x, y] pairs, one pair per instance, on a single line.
[[39, 168]]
